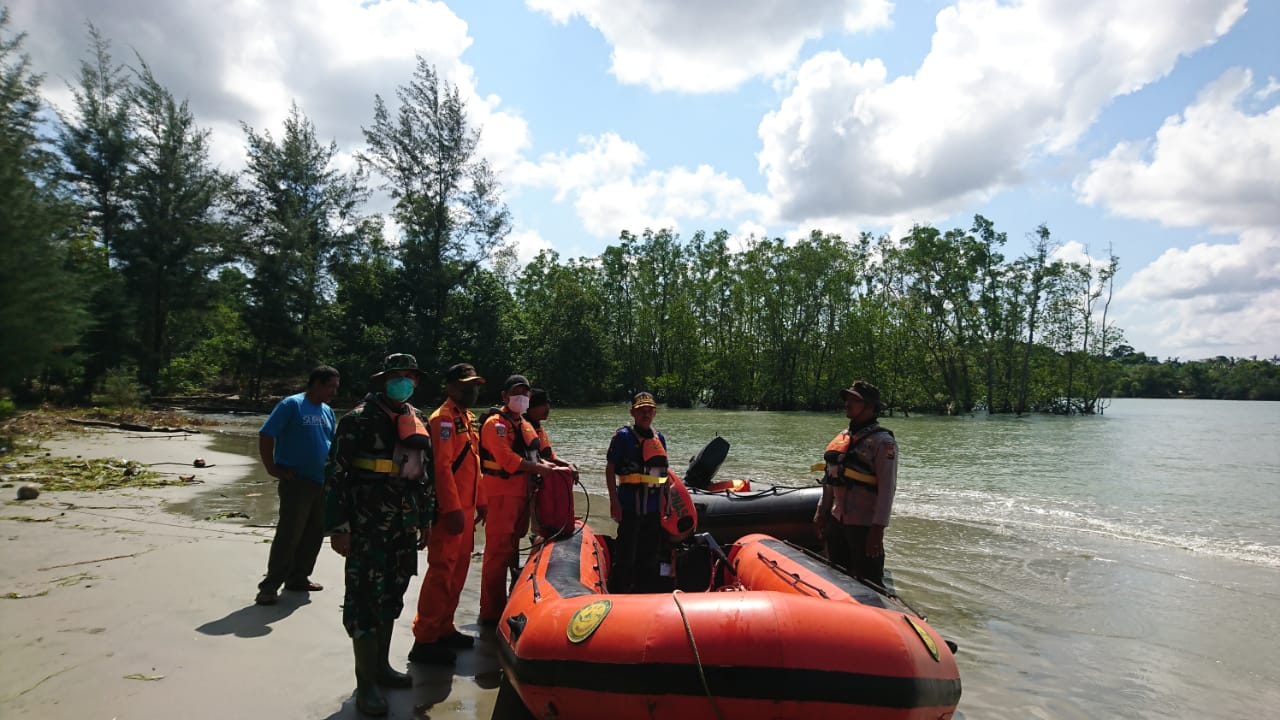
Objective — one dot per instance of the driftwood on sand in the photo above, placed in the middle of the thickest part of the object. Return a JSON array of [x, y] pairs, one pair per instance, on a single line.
[[135, 427]]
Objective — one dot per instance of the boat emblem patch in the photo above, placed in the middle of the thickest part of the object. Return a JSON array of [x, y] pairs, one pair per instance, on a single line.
[[586, 620], [924, 637]]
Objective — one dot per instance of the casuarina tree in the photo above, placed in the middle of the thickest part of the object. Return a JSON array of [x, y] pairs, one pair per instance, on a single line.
[[448, 201]]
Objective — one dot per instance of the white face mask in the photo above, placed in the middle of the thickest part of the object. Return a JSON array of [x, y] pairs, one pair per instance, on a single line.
[[518, 403]]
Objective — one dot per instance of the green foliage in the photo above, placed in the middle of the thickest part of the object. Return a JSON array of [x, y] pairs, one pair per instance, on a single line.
[[202, 281], [43, 311], [120, 388], [447, 202]]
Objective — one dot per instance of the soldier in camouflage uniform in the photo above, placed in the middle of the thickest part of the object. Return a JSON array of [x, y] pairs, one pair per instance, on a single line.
[[378, 507]]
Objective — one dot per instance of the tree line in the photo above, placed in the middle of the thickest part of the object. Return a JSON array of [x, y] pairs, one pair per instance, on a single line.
[[132, 262]]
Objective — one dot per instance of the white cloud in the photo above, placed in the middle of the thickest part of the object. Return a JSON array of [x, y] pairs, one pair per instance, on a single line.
[[1271, 87], [1248, 266], [610, 193], [1003, 84], [711, 45], [1213, 165], [247, 61], [1207, 300], [606, 158], [1075, 252], [527, 243]]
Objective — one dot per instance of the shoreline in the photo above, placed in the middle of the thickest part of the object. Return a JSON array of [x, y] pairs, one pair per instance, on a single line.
[[118, 607]]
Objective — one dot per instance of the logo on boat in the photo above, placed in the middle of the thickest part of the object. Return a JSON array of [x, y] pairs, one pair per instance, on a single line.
[[586, 620], [924, 637]]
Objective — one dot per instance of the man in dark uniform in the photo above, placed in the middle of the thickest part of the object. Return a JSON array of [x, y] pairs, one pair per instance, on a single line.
[[858, 486], [635, 472], [378, 509]]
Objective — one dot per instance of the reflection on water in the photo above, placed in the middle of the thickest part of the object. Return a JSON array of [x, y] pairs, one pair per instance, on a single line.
[[1117, 566]]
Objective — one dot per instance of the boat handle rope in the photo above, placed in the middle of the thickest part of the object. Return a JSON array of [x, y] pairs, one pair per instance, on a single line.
[[796, 580], [688, 631]]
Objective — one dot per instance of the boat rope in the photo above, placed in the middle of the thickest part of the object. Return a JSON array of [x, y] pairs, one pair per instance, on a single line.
[[794, 578], [688, 631]]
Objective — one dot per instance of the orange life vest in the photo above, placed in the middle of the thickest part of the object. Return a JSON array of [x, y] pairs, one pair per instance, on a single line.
[[653, 467], [852, 471], [525, 443]]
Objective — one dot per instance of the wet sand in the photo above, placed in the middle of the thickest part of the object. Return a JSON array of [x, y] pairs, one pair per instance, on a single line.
[[128, 610]]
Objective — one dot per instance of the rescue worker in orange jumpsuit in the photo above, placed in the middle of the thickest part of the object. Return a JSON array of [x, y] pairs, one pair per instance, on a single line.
[[461, 504], [538, 412], [858, 486], [509, 457]]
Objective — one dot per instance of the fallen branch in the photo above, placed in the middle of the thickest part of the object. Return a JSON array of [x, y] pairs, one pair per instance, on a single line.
[[135, 427]]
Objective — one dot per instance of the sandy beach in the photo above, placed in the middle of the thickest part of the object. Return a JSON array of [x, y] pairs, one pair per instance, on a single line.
[[114, 607]]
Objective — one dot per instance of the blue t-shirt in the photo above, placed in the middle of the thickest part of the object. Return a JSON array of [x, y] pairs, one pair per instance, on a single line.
[[638, 499], [303, 431]]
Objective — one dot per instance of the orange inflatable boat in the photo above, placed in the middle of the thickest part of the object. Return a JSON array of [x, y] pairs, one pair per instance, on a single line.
[[780, 635]]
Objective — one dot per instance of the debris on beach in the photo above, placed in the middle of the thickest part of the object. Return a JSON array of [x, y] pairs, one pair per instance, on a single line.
[[198, 462], [28, 492], [45, 473], [228, 515], [21, 596]]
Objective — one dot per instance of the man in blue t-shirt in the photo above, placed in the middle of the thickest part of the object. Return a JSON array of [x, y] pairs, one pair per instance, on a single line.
[[294, 445]]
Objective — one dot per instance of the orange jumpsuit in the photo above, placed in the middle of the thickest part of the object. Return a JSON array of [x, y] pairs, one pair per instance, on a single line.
[[505, 441], [456, 447]]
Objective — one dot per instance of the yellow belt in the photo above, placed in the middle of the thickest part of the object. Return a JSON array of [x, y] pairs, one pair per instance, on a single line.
[[641, 479], [379, 465]]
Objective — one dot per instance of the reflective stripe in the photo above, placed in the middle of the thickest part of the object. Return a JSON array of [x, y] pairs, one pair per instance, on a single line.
[[640, 479], [860, 478], [378, 465]]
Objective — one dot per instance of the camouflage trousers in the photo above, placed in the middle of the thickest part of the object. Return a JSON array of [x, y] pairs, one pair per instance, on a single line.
[[383, 557]]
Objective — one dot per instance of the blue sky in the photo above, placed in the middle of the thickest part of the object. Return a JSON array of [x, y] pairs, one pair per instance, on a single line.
[[1148, 126]]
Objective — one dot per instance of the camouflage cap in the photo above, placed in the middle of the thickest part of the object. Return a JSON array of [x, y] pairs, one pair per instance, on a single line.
[[395, 362]]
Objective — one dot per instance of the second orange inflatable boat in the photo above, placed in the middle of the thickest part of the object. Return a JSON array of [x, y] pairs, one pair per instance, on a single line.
[[783, 636]]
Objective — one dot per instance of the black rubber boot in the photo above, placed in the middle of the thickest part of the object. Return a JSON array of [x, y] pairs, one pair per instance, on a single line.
[[369, 699], [388, 675]]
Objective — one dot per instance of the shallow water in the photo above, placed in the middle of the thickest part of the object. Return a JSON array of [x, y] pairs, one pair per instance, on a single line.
[[1118, 566]]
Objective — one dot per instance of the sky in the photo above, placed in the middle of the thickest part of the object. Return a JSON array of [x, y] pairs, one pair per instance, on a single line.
[[1145, 128]]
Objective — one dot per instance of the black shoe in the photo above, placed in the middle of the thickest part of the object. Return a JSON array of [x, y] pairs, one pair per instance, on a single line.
[[304, 586], [431, 654], [266, 597], [457, 641]]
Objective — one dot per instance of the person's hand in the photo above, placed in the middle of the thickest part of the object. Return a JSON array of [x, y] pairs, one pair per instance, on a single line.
[[452, 522], [341, 543], [875, 541], [424, 535], [818, 523], [482, 513], [615, 509], [282, 473]]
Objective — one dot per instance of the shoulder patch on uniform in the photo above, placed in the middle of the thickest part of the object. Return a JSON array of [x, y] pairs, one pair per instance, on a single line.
[[446, 424], [446, 431], [500, 429]]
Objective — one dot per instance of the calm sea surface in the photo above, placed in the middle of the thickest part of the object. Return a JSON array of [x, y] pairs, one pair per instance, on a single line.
[[1119, 566]]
